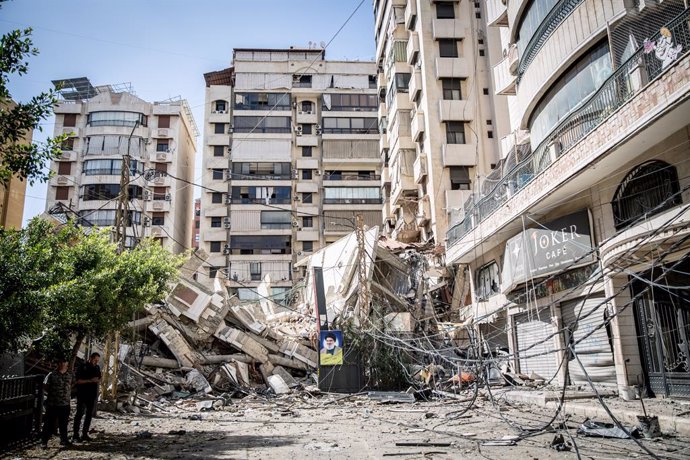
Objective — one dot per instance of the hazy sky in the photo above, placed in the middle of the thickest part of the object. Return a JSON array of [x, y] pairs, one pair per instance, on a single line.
[[163, 47]]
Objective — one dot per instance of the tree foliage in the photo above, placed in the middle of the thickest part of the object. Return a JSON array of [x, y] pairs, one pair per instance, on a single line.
[[64, 284], [18, 157]]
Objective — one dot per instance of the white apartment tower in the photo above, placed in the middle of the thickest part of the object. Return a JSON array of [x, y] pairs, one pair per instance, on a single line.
[[291, 155], [579, 240], [105, 123], [438, 124]]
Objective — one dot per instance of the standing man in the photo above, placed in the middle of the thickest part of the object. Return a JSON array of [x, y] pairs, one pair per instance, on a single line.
[[57, 385], [88, 378]]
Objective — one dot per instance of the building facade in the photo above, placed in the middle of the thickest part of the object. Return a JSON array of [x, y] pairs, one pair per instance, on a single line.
[[437, 115], [196, 224], [291, 155], [106, 123], [573, 257], [12, 197]]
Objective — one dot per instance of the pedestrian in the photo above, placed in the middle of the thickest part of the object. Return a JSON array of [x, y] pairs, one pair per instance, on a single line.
[[88, 378], [57, 385]]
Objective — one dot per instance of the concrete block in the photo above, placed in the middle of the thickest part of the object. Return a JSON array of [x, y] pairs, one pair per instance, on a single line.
[[278, 385], [243, 342], [285, 375]]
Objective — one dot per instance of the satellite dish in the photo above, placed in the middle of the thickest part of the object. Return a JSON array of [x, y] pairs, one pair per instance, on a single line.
[[310, 44], [322, 44]]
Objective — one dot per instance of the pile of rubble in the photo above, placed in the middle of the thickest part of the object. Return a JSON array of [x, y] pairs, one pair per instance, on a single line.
[[203, 344]]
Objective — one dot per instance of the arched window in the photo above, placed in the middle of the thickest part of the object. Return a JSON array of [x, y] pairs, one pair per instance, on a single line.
[[648, 189], [220, 106]]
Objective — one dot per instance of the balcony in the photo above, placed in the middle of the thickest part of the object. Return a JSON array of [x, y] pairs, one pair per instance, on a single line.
[[417, 124], [309, 117], [307, 235], [458, 155], [451, 68], [415, 84], [455, 110], [410, 14], [218, 117], [423, 211], [306, 140], [504, 79], [614, 115], [412, 48], [349, 176], [448, 28], [497, 13], [419, 168], [455, 199]]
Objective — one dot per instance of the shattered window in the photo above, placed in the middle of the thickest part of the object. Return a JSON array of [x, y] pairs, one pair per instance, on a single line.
[[488, 281]]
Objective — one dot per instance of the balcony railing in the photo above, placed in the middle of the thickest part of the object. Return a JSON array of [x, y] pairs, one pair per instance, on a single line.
[[252, 176], [627, 81], [351, 177], [352, 201], [558, 13], [259, 200]]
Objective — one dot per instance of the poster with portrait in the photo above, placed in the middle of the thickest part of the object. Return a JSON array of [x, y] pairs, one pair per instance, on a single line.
[[331, 348]]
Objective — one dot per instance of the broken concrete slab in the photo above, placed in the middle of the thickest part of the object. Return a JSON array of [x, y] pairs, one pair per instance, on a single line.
[[299, 352], [176, 343], [278, 385], [242, 342], [286, 376]]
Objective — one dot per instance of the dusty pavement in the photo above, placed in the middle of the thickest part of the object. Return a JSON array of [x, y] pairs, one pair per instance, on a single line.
[[299, 427]]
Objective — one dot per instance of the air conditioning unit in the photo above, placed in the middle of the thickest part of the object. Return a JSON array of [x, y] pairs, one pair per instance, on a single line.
[[147, 221], [147, 195], [226, 222], [318, 172], [226, 249], [168, 197], [298, 130], [62, 180], [157, 205], [230, 129], [299, 253], [161, 156], [159, 180], [318, 130]]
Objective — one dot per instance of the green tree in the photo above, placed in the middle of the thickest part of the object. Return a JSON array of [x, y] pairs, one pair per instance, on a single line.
[[17, 156], [90, 290]]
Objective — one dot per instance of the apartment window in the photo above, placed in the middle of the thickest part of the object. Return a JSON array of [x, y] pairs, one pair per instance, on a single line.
[[67, 144], [307, 198], [262, 124], [109, 192], [306, 174], [261, 195], [219, 128], [255, 271], [62, 193], [478, 15], [487, 281], [65, 168], [490, 134], [216, 222], [459, 178], [218, 174], [218, 151], [306, 151], [162, 168], [372, 81], [489, 122], [220, 106], [164, 121], [158, 218], [213, 271], [445, 10], [116, 118], [265, 244], [216, 197], [69, 120], [215, 246], [351, 102], [163, 145], [262, 101], [276, 220], [301, 81], [159, 193], [307, 106], [306, 128], [308, 246], [481, 51], [448, 48], [197, 224], [350, 125], [307, 222], [451, 89], [455, 132], [485, 91]]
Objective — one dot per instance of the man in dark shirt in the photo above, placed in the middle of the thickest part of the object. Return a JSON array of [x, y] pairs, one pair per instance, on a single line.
[[88, 378], [57, 385]]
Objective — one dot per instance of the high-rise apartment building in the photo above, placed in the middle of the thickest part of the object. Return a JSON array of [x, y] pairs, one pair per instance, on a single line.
[[106, 123], [576, 248], [291, 155], [439, 128]]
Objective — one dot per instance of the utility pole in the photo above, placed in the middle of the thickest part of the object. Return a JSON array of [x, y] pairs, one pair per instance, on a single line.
[[362, 268], [111, 351]]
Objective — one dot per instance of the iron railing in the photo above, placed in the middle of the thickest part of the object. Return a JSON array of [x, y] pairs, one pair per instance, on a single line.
[[21, 404], [548, 25], [618, 89]]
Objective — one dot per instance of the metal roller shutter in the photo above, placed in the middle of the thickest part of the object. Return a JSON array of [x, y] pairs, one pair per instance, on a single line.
[[535, 328], [594, 351]]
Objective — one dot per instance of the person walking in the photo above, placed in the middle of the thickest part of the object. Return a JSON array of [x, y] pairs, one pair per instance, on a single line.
[[57, 385], [88, 378]]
